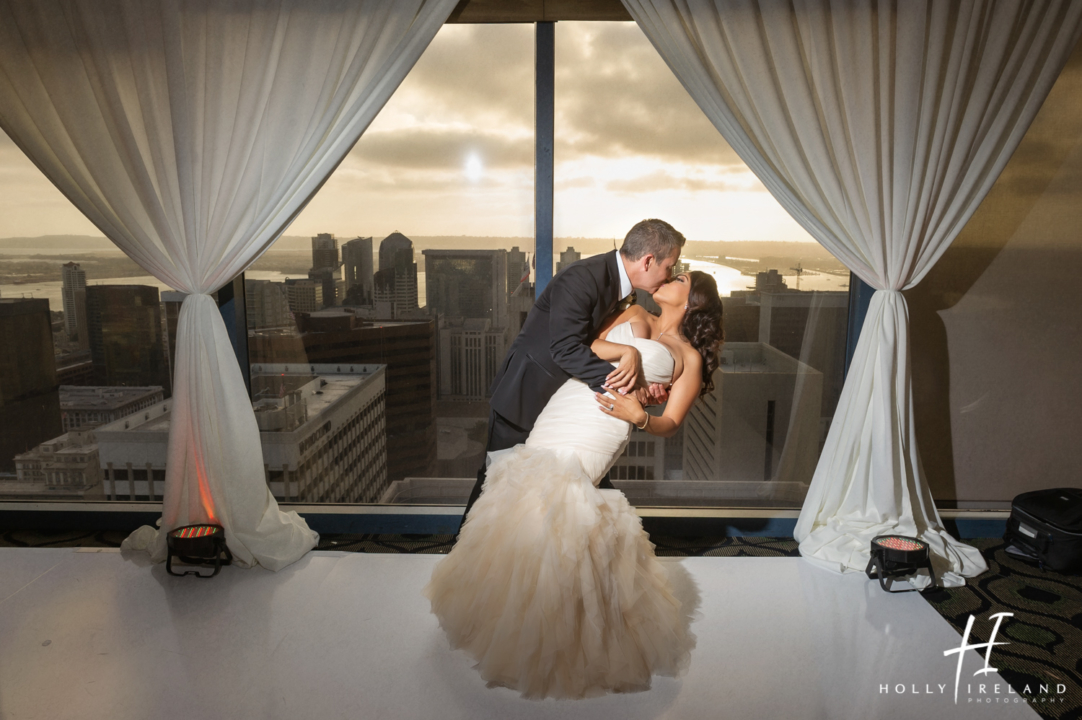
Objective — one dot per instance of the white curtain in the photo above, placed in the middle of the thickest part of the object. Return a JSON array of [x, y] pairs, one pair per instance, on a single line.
[[191, 134], [880, 126]]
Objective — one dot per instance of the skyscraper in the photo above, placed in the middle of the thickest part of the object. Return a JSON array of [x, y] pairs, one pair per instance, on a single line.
[[321, 427], [518, 267], [761, 422], [406, 348], [469, 284], [471, 351], [74, 296], [29, 400], [304, 295], [358, 270], [567, 257], [126, 342], [267, 304], [325, 266], [396, 280], [324, 251]]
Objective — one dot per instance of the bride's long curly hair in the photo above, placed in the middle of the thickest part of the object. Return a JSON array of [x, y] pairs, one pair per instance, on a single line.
[[703, 325]]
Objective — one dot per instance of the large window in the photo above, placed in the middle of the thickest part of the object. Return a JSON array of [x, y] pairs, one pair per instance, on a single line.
[[377, 322], [631, 144], [84, 344], [400, 287]]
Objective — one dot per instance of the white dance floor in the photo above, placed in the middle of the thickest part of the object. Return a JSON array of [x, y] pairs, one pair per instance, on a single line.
[[87, 634]]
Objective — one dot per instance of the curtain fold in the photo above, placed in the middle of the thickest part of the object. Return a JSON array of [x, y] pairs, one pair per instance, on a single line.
[[191, 134], [879, 126]]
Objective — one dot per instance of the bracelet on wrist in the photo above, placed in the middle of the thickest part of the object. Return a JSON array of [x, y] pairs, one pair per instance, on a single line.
[[644, 422]]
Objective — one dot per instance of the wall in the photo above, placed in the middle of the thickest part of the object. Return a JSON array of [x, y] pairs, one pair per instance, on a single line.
[[995, 327]]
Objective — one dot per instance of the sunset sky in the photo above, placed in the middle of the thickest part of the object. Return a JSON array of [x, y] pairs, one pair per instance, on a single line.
[[452, 152]]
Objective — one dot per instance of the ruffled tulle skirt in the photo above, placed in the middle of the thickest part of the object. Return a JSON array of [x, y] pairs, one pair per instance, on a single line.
[[553, 586]]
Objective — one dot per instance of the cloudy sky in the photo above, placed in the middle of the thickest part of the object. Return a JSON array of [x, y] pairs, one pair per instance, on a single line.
[[452, 152]]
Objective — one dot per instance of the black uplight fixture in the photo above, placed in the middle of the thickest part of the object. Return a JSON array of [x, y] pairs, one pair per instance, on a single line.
[[896, 556], [201, 545]]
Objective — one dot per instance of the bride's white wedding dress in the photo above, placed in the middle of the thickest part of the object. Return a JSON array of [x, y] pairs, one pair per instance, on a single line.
[[553, 586]]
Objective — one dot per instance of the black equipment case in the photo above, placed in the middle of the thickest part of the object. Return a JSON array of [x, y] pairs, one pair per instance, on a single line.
[[1046, 526]]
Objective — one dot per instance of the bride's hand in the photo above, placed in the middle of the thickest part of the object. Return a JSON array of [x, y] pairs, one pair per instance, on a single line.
[[624, 407], [626, 375]]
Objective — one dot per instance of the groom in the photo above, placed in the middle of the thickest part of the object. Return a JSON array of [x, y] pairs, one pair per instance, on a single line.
[[554, 343]]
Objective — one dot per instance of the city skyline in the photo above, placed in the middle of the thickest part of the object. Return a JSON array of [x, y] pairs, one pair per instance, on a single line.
[[456, 139]]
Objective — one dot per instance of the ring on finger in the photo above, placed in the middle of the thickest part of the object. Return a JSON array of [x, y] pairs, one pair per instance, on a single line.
[[611, 406]]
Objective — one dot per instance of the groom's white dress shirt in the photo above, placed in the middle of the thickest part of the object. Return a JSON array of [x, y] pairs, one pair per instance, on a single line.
[[625, 282]]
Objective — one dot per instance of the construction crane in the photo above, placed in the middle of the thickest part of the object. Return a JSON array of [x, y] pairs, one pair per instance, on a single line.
[[799, 271]]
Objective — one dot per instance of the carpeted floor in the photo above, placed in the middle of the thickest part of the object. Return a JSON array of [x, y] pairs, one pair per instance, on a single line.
[[1044, 633]]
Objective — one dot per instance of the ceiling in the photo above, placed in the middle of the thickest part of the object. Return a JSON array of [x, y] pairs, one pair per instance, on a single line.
[[528, 11]]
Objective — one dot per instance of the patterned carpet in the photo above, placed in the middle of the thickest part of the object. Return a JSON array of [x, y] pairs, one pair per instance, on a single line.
[[1045, 632]]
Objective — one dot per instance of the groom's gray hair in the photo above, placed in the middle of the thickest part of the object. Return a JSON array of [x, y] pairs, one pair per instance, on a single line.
[[651, 237]]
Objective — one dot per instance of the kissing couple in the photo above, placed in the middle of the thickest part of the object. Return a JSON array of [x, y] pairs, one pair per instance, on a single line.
[[553, 587]]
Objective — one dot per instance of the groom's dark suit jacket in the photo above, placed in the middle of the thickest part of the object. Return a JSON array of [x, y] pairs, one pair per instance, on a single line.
[[554, 342]]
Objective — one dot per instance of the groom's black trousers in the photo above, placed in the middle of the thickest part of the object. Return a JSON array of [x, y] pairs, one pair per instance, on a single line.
[[503, 434]]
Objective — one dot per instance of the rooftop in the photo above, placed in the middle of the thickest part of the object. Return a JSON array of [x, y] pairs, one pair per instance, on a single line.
[[75, 397], [320, 386]]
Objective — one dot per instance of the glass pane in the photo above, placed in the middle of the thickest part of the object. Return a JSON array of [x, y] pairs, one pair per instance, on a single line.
[[364, 388], [83, 345], [631, 144], [397, 291]]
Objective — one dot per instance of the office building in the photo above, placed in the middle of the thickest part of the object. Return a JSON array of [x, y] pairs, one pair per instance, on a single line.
[[519, 304], [75, 368], [321, 427], [73, 293], [327, 280], [395, 283], [63, 468], [642, 459], [127, 345], [88, 407], [304, 295], [770, 281], [518, 269], [567, 257], [467, 284], [266, 304], [811, 327], [29, 400], [172, 301], [471, 351], [325, 264], [407, 349], [761, 422], [324, 251], [358, 272]]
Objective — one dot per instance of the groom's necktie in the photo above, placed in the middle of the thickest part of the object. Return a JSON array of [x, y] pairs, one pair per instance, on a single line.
[[626, 302]]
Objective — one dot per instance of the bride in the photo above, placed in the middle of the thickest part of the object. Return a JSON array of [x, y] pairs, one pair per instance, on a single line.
[[553, 586]]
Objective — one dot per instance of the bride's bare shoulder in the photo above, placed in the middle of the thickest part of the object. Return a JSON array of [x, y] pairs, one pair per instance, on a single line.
[[640, 321]]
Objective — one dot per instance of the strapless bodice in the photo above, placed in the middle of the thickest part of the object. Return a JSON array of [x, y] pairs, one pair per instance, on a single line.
[[572, 420], [657, 362]]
